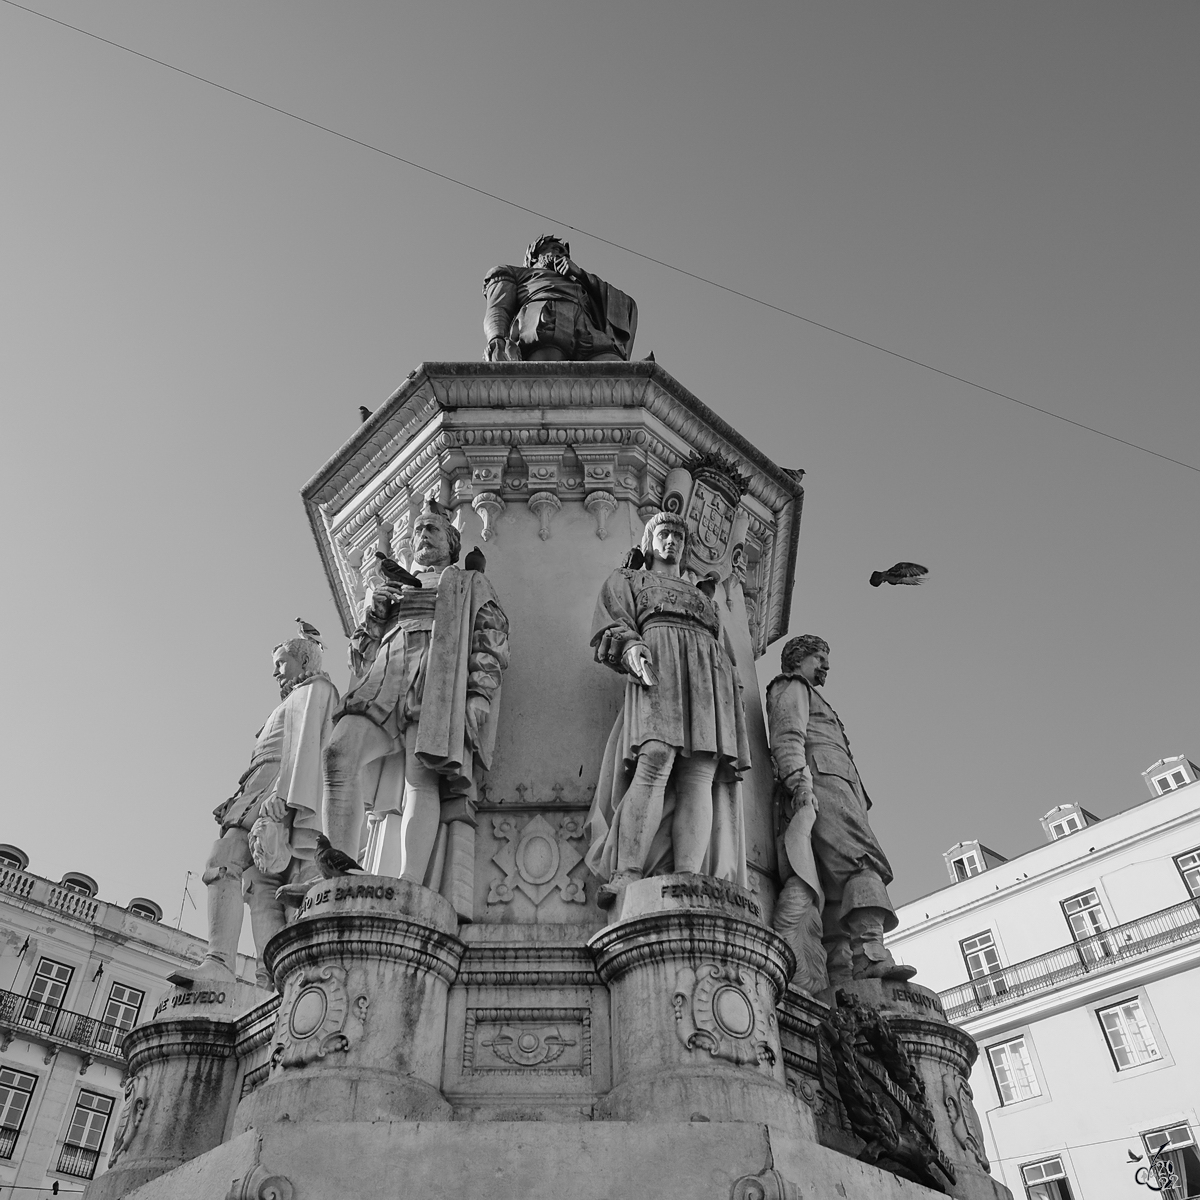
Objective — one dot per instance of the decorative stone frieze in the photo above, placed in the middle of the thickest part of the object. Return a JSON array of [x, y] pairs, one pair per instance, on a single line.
[[537, 858]]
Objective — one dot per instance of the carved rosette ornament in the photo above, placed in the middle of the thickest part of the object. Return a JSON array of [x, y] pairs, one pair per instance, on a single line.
[[489, 506], [316, 1017], [260, 1184], [130, 1118], [536, 859], [767, 1185], [718, 1012]]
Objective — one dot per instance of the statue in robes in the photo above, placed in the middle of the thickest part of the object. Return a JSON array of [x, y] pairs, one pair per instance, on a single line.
[[549, 310], [668, 797], [418, 723], [269, 826], [836, 874]]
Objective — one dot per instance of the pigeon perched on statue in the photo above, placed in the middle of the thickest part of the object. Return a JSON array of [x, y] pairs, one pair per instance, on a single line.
[[394, 573], [475, 560], [903, 572], [635, 560], [331, 862], [311, 632]]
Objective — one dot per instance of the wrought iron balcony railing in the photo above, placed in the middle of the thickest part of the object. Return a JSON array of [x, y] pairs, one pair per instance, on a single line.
[[8, 1141], [1089, 956], [78, 1161], [55, 1027]]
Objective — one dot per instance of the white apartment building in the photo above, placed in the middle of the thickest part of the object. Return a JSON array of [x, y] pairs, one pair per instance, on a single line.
[[76, 973], [1076, 967]]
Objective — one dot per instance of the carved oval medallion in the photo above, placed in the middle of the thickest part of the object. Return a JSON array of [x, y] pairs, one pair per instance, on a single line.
[[537, 858], [733, 1012], [308, 1012]]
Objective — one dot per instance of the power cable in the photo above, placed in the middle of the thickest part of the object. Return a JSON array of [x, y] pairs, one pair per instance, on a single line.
[[408, 162]]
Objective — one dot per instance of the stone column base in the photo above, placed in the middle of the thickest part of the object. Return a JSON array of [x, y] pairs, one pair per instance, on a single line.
[[364, 975], [694, 979]]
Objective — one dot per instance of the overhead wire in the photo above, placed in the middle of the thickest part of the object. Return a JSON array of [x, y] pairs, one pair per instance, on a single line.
[[479, 191]]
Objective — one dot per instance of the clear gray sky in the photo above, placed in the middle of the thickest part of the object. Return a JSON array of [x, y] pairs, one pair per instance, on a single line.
[[198, 293]]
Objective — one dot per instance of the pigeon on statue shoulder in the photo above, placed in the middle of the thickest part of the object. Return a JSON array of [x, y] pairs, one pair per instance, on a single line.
[[332, 862], [475, 560], [394, 573], [903, 572]]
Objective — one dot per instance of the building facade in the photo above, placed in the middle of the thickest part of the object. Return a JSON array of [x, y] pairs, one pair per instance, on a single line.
[[76, 974], [1076, 967]]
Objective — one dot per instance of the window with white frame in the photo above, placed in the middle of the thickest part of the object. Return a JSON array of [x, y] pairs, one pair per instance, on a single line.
[[1170, 780], [16, 1090], [1086, 920], [121, 1012], [1046, 1180], [1071, 823], [47, 990], [966, 865], [983, 960], [1175, 1149], [1012, 1068], [81, 1147], [1129, 1036], [1188, 866]]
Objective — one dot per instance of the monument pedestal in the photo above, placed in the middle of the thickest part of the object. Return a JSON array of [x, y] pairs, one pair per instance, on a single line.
[[694, 979], [364, 974], [179, 1086]]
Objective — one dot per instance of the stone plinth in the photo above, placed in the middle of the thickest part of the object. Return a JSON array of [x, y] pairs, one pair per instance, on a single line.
[[693, 979], [182, 1072], [364, 975], [942, 1054]]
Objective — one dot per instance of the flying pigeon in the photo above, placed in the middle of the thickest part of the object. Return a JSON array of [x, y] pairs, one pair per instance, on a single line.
[[364, 413], [475, 560], [394, 573], [309, 631], [331, 862], [902, 572], [1133, 1157]]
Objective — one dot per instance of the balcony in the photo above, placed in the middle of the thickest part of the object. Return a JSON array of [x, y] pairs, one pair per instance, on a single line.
[[25, 886], [57, 1027], [1106, 951], [8, 1141], [78, 1161]]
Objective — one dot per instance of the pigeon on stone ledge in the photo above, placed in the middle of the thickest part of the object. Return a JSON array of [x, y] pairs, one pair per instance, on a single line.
[[364, 413], [331, 862], [903, 572]]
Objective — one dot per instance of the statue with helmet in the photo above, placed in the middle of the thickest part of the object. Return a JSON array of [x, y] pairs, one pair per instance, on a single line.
[[550, 310], [417, 725]]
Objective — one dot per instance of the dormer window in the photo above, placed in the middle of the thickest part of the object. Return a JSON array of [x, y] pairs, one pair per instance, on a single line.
[[966, 865], [970, 858], [1066, 819], [78, 882], [1170, 774], [139, 906], [13, 858], [1170, 780]]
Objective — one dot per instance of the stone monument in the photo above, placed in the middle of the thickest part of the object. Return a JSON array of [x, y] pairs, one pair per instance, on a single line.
[[561, 966]]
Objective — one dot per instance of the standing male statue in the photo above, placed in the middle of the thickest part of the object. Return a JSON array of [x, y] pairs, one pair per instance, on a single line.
[[825, 809], [549, 310], [420, 711], [282, 786], [668, 796]]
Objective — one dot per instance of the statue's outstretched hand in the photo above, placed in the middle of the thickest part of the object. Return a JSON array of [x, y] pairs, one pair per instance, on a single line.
[[637, 662]]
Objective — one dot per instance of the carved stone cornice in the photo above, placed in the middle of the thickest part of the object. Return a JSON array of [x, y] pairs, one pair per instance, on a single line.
[[191, 1037], [527, 966], [580, 429], [690, 935], [348, 936]]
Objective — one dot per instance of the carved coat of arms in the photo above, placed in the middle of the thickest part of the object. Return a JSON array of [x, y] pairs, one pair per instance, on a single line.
[[710, 515]]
